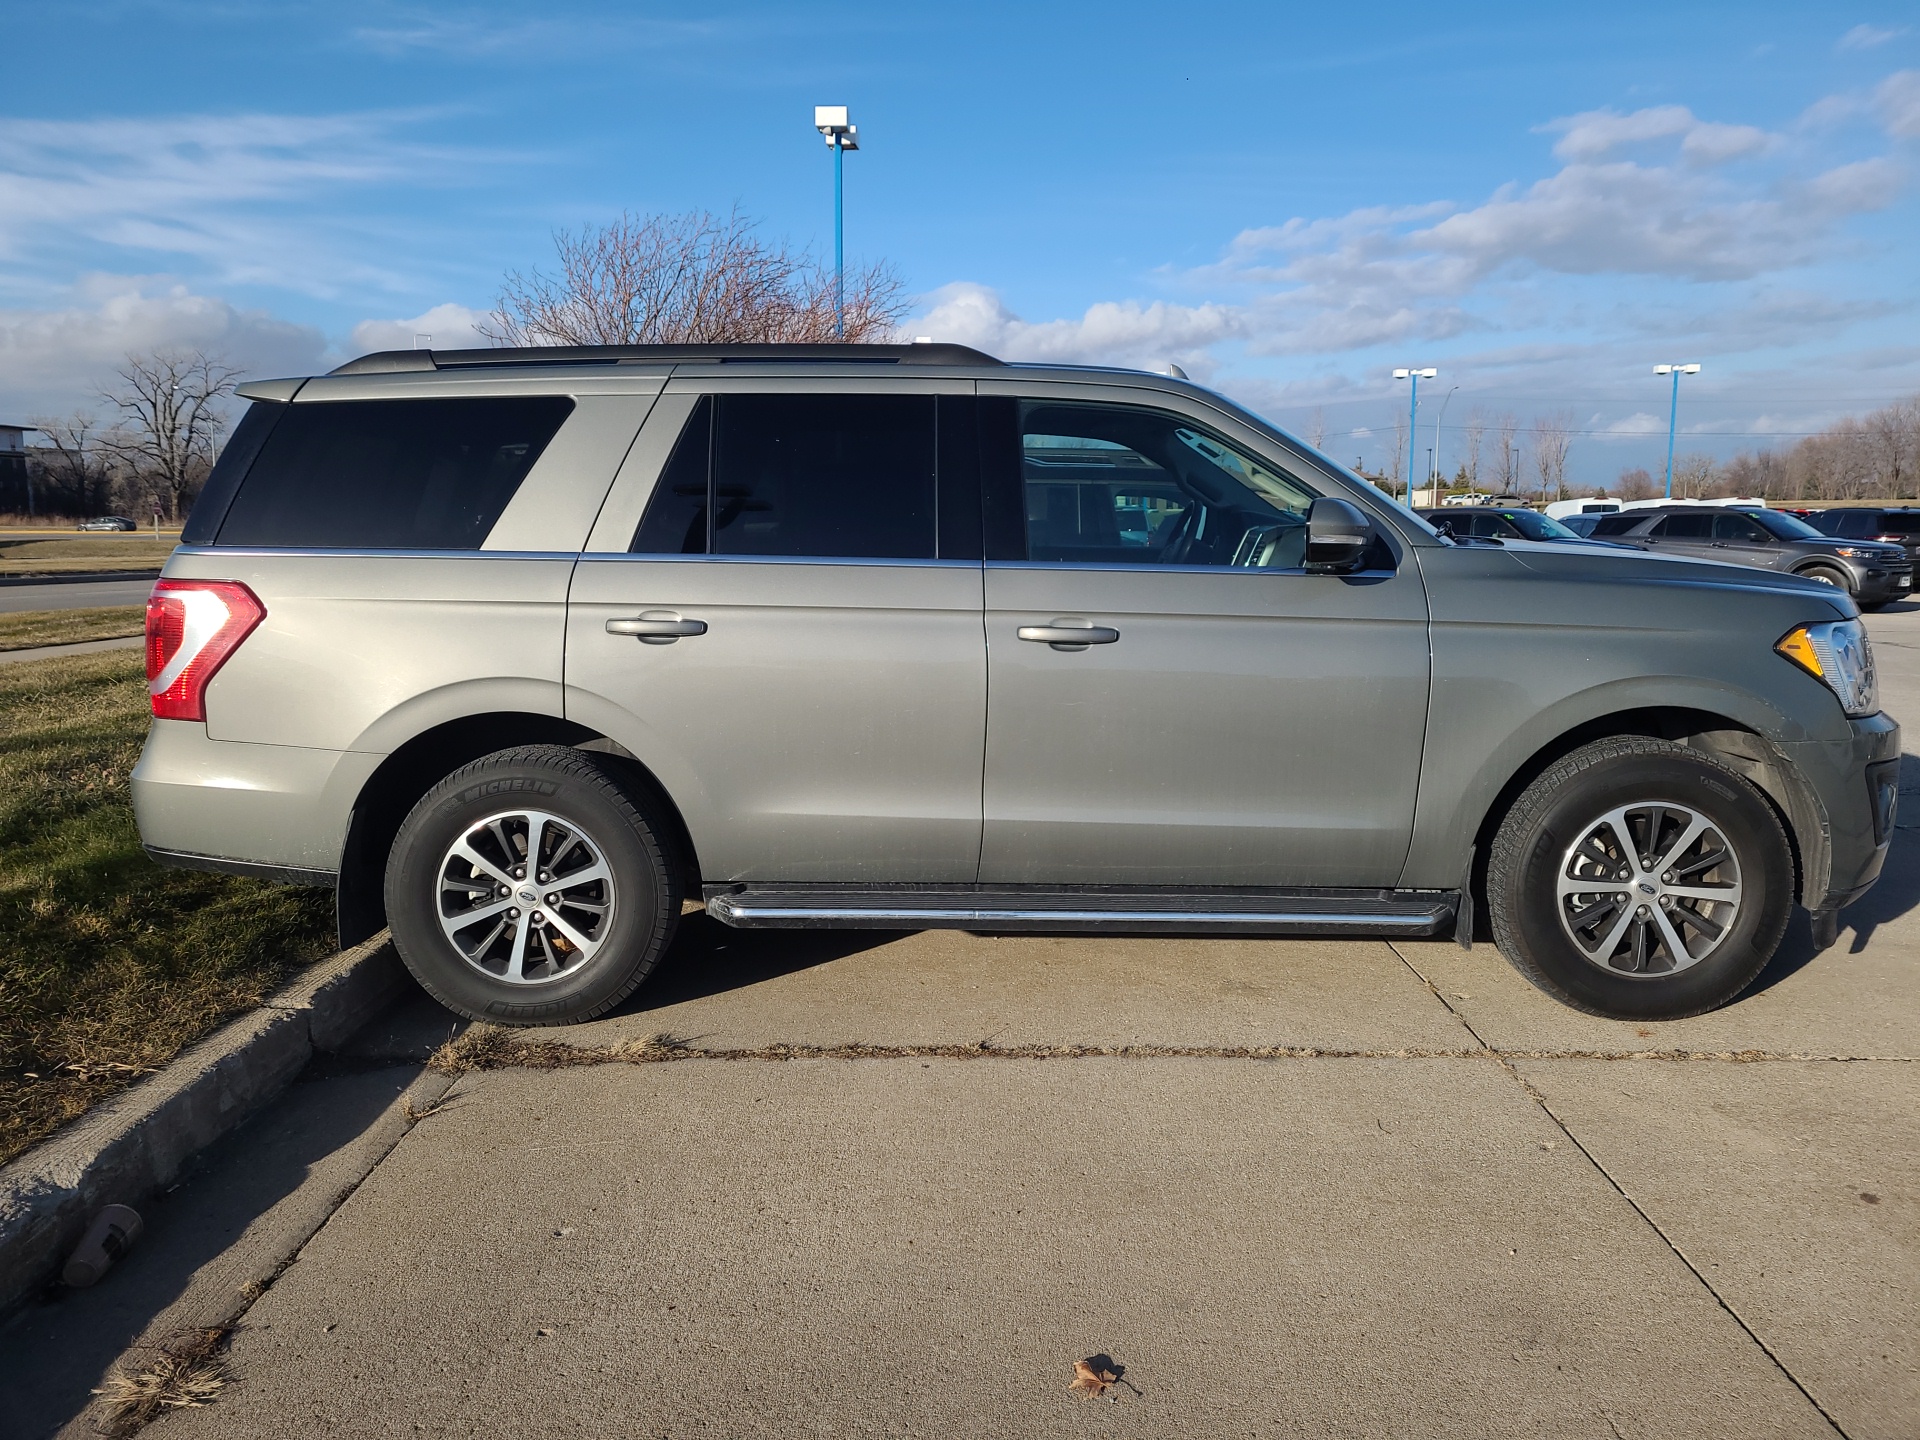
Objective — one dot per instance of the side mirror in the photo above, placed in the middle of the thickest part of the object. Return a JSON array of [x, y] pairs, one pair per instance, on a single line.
[[1338, 533]]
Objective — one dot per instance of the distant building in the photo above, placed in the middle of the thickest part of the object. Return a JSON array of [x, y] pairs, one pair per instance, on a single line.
[[15, 498]]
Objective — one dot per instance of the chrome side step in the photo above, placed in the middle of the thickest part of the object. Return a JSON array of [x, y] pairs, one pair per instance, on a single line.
[[1034, 908]]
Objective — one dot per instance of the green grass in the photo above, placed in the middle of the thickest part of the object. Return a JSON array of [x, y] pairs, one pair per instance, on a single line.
[[111, 964], [70, 554], [29, 628]]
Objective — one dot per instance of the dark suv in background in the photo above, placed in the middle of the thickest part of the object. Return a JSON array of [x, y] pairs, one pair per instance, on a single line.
[[1875, 574], [1895, 526]]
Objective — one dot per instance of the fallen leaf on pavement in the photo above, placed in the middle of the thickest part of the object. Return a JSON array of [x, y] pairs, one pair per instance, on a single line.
[[1091, 1377]]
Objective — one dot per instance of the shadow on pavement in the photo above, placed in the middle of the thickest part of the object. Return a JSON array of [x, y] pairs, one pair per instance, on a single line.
[[708, 958], [57, 1349], [1897, 892]]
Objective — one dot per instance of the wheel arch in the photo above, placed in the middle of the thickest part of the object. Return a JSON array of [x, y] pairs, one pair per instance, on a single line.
[[425, 759], [1739, 746]]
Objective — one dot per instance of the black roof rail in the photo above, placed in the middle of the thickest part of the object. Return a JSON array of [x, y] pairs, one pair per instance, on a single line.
[[387, 361]]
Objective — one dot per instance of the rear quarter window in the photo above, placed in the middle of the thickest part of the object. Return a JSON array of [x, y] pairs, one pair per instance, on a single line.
[[428, 474], [1616, 524]]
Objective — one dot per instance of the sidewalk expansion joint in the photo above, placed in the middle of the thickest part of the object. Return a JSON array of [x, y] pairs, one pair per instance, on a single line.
[[1505, 1058]]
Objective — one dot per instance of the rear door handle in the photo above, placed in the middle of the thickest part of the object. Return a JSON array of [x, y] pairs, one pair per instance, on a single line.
[[657, 628], [1068, 637]]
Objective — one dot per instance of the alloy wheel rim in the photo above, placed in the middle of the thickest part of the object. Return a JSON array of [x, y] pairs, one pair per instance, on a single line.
[[525, 897], [1649, 889]]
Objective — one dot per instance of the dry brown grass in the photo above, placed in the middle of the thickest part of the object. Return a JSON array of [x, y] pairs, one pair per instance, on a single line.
[[29, 628], [186, 1372], [113, 963], [71, 554]]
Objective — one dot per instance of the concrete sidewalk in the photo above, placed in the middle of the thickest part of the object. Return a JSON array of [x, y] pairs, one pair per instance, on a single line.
[[1459, 1209]]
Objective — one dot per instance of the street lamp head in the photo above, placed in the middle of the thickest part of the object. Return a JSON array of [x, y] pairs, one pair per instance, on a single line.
[[832, 123], [1689, 369], [1428, 373], [1401, 374], [1663, 369], [1422, 374]]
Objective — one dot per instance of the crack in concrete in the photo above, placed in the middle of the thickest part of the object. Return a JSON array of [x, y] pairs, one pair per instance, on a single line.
[[1503, 1059]]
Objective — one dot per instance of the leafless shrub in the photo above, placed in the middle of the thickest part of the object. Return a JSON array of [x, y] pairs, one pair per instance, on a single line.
[[187, 1372], [687, 279]]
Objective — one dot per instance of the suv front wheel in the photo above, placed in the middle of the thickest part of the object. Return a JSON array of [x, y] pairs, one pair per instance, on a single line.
[[530, 888], [1640, 880]]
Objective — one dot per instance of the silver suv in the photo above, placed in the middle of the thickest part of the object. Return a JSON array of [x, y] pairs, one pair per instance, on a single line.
[[518, 648]]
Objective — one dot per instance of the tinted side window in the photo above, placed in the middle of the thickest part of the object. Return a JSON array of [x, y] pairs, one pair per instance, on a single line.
[[1739, 528], [1685, 527], [824, 475], [1854, 524], [676, 518], [236, 459], [1616, 524], [391, 474]]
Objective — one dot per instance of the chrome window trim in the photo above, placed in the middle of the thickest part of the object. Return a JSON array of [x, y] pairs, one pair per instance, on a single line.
[[365, 553], [1121, 568]]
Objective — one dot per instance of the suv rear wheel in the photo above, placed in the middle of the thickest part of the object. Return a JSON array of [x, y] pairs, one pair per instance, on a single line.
[[530, 888], [1640, 880]]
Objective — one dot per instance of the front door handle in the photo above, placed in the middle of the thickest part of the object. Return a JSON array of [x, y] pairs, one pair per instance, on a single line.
[[657, 627], [1068, 637]]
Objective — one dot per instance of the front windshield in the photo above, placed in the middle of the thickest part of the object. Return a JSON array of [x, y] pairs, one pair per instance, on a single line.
[[1786, 527], [1536, 526]]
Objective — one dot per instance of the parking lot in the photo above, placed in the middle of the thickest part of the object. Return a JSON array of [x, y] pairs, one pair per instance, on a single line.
[[1434, 1202]]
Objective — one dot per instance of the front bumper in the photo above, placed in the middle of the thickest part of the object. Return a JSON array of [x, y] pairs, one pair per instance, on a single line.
[[1855, 780], [1879, 583]]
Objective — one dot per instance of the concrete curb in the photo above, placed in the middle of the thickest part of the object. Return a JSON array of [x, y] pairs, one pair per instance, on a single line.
[[141, 1140]]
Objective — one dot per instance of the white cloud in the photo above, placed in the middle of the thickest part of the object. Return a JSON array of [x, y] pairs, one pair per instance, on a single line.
[[243, 194], [1635, 425], [1898, 97], [447, 327], [1596, 134], [54, 359], [1125, 333], [1866, 37], [1863, 185]]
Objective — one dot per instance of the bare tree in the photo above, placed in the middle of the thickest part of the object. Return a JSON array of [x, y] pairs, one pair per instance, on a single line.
[[1317, 427], [73, 469], [1472, 433], [169, 423], [1634, 485], [1506, 452], [1693, 475], [686, 279], [1552, 438]]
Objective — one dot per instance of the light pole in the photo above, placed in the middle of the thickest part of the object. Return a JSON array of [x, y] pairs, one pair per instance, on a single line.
[[1673, 411], [1413, 420], [841, 136]]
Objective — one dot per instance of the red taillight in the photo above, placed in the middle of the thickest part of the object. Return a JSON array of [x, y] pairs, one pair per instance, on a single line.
[[192, 627]]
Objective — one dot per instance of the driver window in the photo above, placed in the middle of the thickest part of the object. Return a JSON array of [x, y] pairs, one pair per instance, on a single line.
[[1110, 484], [1739, 528]]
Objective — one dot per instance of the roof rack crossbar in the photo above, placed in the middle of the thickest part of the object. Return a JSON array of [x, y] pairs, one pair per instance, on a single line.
[[391, 361]]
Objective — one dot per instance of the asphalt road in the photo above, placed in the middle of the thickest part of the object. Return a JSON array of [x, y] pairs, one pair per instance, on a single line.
[[1459, 1209], [76, 594]]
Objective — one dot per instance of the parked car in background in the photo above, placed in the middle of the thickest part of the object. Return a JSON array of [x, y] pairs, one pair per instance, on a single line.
[[1505, 523], [108, 522], [1582, 525], [1875, 574], [1892, 525], [1596, 505], [1471, 497], [516, 648]]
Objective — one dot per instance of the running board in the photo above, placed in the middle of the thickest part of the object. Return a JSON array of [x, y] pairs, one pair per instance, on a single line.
[[1020, 908]]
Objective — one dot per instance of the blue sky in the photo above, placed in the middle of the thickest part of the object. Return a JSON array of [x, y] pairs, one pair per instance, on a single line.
[[1289, 200]]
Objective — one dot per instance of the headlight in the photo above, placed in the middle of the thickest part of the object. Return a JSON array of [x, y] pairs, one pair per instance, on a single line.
[[1860, 552], [1838, 653]]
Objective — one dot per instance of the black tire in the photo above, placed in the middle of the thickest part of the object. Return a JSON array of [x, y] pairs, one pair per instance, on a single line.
[[1563, 806], [1827, 575], [642, 894]]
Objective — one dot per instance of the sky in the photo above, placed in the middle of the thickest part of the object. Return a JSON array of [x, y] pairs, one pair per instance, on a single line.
[[1289, 201]]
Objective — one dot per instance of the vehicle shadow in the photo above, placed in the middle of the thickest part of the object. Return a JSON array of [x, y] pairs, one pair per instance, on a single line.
[[708, 958], [1896, 893]]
